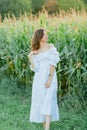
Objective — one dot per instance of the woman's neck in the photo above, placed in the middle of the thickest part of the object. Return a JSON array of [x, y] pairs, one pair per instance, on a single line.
[[43, 45]]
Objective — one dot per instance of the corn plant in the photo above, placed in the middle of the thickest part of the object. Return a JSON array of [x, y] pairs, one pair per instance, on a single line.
[[65, 30]]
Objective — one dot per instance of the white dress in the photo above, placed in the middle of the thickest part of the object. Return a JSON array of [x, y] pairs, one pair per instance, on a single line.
[[44, 100]]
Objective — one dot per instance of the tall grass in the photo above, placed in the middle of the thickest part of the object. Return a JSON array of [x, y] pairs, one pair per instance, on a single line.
[[15, 109], [68, 32]]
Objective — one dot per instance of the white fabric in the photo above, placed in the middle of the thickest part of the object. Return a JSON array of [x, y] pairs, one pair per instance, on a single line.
[[36, 64], [54, 56], [44, 100]]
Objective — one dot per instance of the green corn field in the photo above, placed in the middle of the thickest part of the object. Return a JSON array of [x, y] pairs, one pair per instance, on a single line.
[[68, 32]]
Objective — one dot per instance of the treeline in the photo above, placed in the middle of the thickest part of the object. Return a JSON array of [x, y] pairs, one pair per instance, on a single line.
[[18, 7]]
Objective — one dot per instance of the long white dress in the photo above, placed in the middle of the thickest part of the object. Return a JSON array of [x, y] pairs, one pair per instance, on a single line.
[[44, 100]]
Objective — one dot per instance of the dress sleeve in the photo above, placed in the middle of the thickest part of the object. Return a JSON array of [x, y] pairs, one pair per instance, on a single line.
[[54, 56], [36, 63]]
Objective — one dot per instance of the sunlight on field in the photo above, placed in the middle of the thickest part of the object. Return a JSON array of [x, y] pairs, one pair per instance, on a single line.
[[68, 32], [78, 17]]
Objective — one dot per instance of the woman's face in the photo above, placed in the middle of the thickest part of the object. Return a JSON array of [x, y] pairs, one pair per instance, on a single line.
[[45, 37]]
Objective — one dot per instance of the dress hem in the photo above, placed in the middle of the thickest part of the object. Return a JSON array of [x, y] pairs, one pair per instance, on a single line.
[[44, 120]]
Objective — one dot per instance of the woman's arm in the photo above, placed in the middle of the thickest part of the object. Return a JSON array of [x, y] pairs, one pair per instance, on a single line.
[[33, 63], [52, 68]]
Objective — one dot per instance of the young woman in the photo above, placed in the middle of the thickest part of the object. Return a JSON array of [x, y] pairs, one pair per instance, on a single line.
[[43, 61]]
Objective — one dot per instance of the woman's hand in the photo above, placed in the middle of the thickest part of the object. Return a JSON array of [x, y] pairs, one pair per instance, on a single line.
[[32, 53], [48, 83]]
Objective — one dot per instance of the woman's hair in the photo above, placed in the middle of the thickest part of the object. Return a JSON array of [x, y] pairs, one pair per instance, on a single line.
[[37, 36]]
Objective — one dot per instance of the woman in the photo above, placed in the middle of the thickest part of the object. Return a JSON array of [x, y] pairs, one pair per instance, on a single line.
[[43, 61]]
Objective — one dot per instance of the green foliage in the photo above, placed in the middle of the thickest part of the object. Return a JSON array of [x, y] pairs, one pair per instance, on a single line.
[[15, 105], [14, 7], [37, 5], [18, 7], [85, 1], [67, 4], [68, 34]]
